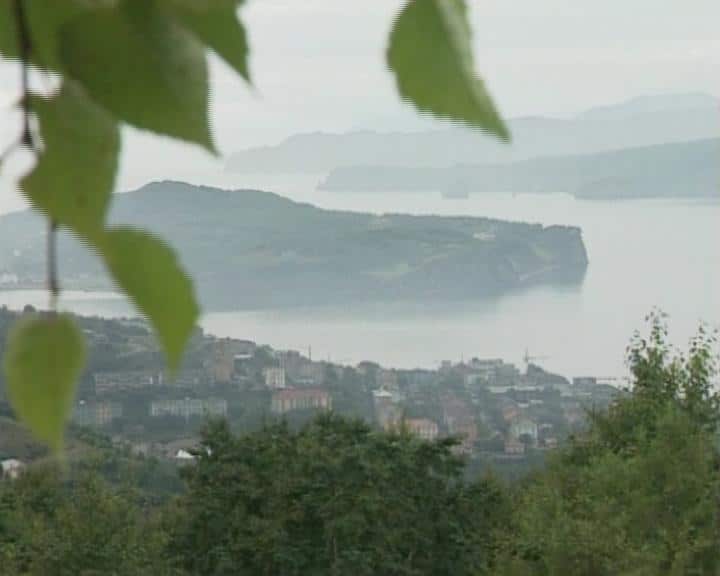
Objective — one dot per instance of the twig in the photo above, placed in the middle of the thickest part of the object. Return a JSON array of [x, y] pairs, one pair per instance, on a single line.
[[25, 49], [52, 265], [27, 140]]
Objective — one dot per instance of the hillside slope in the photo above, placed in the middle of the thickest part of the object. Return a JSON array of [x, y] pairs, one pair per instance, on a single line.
[[687, 169], [643, 121], [255, 249]]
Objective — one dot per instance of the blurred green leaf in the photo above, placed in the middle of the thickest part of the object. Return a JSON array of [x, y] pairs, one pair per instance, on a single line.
[[43, 361], [430, 53], [44, 19], [142, 66], [215, 23], [8, 35], [148, 271], [73, 179]]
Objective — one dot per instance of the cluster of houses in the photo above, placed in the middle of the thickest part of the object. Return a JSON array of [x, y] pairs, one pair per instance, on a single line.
[[487, 404], [189, 407], [490, 406], [296, 383], [293, 382]]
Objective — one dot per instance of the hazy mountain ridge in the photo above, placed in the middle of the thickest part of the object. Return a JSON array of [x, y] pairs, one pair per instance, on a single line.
[[639, 122], [250, 249], [687, 169]]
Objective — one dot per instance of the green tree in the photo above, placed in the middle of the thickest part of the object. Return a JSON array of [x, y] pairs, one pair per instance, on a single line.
[[638, 493], [333, 498], [49, 527]]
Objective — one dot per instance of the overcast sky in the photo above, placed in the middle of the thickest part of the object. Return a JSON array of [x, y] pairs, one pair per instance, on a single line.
[[319, 65]]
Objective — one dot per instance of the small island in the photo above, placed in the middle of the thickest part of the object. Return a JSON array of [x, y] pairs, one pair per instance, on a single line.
[[250, 249]]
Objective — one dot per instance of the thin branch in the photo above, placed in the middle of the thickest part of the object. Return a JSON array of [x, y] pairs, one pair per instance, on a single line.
[[52, 265], [27, 140], [25, 49]]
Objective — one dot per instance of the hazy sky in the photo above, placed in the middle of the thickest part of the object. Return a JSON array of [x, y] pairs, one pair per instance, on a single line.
[[319, 65]]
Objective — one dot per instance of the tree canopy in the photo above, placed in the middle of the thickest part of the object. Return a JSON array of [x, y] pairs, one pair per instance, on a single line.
[[638, 492]]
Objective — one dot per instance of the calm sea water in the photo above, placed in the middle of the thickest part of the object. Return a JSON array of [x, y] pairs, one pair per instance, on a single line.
[[643, 255]]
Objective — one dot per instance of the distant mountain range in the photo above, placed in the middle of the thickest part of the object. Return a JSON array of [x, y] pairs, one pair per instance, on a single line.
[[641, 122], [687, 169], [250, 249]]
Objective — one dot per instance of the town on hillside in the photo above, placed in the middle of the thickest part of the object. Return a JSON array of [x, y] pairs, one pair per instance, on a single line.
[[499, 413]]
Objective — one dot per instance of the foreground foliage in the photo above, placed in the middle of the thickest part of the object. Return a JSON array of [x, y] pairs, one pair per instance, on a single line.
[[335, 498], [639, 492], [84, 526], [636, 494]]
